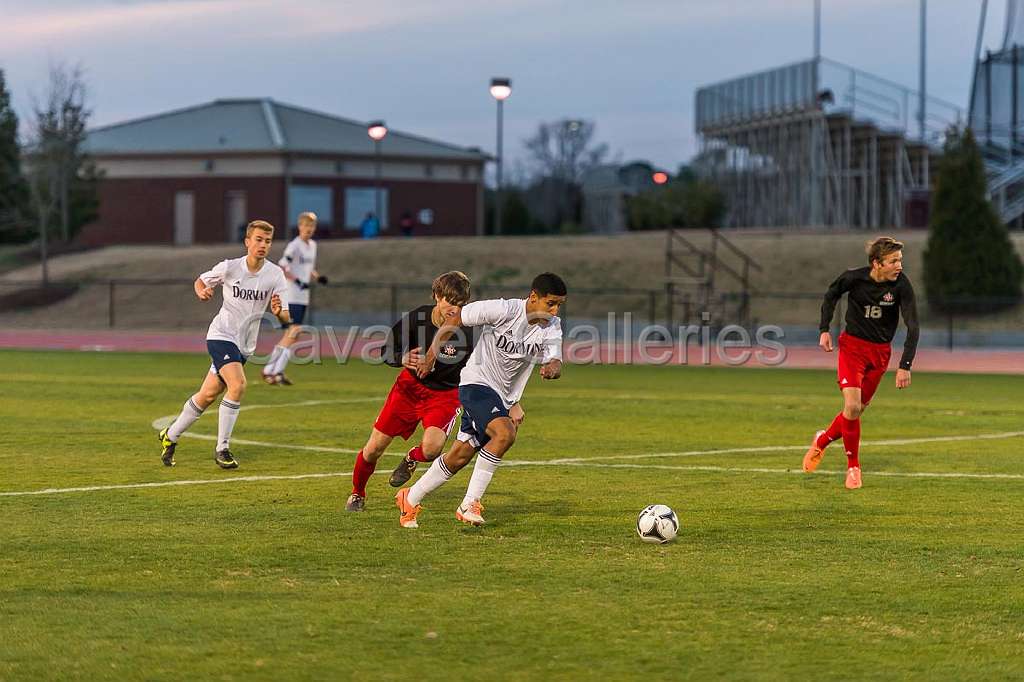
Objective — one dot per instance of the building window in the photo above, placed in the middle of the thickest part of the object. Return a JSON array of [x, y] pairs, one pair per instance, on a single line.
[[362, 200], [464, 171], [428, 170], [316, 198]]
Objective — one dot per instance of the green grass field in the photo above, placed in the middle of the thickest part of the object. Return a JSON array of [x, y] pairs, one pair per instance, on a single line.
[[775, 574]]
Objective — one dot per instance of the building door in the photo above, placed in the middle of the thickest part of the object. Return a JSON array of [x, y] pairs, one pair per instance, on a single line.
[[235, 212], [184, 218]]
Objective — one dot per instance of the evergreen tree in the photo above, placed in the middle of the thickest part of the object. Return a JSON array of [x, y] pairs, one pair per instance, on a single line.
[[683, 202], [515, 216], [15, 222], [970, 264]]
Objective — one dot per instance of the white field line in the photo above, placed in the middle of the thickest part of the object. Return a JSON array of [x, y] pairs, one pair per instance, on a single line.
[[517, 464], [760, 470], [599, 458], [165, 484], [589, 462], [282, 446], [789, 448], [161, 423]]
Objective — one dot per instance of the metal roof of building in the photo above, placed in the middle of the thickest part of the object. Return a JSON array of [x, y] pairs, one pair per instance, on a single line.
[[259, 125]]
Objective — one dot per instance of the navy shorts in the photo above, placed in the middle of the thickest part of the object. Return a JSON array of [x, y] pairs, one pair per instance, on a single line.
[[222, 353], [298, 313], [480, 406]]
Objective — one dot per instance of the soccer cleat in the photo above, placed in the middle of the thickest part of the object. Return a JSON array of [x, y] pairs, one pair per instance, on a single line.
[[409, 512], [280, 378], [403, 472], [356, 502], [224, 459], [270, 379], [814, 454], [853, 478], [167, 456], [471, 514]]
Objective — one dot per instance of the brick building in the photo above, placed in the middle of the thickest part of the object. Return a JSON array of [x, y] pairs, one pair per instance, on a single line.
[[199, 174]]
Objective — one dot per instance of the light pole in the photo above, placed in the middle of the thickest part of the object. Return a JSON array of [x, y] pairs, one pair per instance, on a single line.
[[377, 131], [501, 88], [922, 83], [817, 30]]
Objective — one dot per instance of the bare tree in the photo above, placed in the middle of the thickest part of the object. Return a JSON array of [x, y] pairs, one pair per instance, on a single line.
[[56, 132], [560, 153], [562, 150]]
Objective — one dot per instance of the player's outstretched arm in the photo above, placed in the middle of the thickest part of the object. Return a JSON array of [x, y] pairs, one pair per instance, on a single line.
[[908, 309], [551, 370], [427, 360], [203, 291], [828, 309]]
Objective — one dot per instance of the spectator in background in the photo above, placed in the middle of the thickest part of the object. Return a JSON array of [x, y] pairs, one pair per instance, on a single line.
[[406, 224], [370, 226]]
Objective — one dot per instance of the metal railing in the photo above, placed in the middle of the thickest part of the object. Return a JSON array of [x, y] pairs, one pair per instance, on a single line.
[[170, 304], [803, 87], [777, 91], [887, 104]]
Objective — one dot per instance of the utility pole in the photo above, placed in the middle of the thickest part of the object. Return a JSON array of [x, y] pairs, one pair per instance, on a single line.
[[922, 81]]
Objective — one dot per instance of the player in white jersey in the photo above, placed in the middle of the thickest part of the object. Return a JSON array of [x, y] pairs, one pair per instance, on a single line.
[[299, 265], [518, 334], [249, 285]]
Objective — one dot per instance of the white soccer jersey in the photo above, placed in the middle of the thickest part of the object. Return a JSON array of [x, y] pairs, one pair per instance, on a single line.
[[509, 346], [300, 260], [246, 297]]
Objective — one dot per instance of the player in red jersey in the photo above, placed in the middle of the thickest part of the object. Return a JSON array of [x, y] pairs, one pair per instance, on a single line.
[[877, 295], [432, 400]]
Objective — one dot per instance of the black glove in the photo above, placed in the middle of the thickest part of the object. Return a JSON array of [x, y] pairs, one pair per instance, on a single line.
[[302, 285], [322, 279]]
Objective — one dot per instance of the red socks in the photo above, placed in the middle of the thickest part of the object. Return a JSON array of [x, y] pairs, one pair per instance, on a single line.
[[362, 474], [849, 431], [851, 441], [833, 433], [416, 454]]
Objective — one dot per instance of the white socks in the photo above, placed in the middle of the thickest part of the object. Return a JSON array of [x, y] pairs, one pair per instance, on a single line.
[[483, 471], [190, 412], [227, 415], [268, 370], [282, 362], [278, 360], [436, 476]]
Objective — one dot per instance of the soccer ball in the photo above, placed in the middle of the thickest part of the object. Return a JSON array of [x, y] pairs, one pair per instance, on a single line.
[[657, 524]]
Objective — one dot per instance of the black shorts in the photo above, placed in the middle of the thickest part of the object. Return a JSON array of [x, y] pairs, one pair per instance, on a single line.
[[480, 406], [223, 353], [297, 312]]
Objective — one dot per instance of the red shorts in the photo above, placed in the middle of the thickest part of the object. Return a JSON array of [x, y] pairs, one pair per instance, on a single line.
[[410, 403], [862, 365]]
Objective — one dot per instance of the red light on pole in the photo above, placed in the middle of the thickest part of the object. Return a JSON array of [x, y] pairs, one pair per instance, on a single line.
[[660, 178]]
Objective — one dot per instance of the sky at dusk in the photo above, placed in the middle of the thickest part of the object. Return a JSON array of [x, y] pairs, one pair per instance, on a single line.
[[424, 65]]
